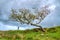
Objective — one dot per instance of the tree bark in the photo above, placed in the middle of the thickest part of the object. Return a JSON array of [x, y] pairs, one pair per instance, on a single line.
[[18, 27], [42, 29]]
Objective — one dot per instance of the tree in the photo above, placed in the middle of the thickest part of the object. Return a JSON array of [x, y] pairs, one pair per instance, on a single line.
[[25, 16]]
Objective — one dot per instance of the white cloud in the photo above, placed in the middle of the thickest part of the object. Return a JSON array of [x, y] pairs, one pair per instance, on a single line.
[[7, 27], [6, 5], [52, 7]]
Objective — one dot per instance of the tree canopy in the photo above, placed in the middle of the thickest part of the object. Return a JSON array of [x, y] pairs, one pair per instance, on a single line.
[[26, 16]]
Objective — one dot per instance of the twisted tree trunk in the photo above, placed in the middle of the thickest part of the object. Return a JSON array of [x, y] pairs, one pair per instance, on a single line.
[[42, 29]]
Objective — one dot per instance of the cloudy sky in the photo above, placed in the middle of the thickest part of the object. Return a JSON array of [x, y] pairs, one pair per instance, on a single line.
[[53, 19]]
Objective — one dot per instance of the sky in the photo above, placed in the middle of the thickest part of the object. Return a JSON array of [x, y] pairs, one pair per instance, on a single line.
[[53, 19]]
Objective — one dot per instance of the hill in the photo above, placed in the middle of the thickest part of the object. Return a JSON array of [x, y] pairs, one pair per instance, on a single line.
[[33, 34]]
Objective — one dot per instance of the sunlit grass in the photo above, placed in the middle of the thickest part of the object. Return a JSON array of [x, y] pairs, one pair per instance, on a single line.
[[33, 34]]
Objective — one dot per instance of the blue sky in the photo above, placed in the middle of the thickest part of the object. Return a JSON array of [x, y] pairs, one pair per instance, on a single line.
[[53, 19]]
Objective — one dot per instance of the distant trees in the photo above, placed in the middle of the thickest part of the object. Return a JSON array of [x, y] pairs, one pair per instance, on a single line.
[[25, 16]]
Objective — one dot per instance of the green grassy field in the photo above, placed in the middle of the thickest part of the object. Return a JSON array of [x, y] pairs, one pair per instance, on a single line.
[[33, 34]]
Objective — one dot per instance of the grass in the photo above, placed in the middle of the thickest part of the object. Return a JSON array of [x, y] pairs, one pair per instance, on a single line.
[[33, 34]]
